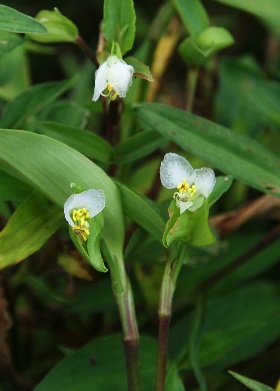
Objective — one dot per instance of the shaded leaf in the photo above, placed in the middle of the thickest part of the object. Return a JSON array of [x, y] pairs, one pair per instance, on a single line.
[[17, 22]]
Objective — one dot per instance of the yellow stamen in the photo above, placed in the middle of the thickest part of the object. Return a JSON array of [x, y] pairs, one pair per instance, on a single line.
[[183, 186], [81, 232], [81, 227], [112, 93]]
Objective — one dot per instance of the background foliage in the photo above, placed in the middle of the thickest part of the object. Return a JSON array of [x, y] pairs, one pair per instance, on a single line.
[[59, 325]]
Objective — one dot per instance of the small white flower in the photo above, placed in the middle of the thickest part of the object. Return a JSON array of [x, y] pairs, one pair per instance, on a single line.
[[193, 186], [115, 75], [80, 207]]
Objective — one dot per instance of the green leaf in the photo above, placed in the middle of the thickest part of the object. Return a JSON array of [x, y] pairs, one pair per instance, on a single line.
[[66, 112], [199, 49], [31, 101], [11, 189], [138, 146], [173, 380], [222, 185], [140, 70], [9, 41], [100, 365], [190, 227], [236, 155], [51, 166], [33, 222], [251, 384], [93, 243], [16, 22], [268, 12], [59, 28], [14, 76], [138, 209], [193, 15], [83, 141], [118, 24]]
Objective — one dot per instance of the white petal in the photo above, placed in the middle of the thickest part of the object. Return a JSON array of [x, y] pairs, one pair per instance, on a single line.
[[100, 80], [174, 169], [92, 200], [182, 205], [204, 180], [197, 203], [119, 75]]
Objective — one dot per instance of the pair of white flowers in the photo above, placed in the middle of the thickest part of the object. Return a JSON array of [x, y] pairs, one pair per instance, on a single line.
[[192, 188]]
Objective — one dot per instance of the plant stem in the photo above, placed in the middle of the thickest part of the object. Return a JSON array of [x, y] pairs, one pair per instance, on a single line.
[[168, 287], [191, 87], [87, 50], [124, 297]]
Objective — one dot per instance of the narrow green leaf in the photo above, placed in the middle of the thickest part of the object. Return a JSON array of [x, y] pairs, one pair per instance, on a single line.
[[268, 12], [51, 166], [222, 185], [193, 15], [173, 380], [118, 24], [83, 141], [137, 208], [17, 22], [59, 28], [251, 384], [33, 222], [138, 146], [140, 70], [236, 155], [31, 101]]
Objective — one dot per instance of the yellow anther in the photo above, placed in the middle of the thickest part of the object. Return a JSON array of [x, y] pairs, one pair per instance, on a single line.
[[81, 232], [80, 215], [112, 93], [192, 190], [183, 186]]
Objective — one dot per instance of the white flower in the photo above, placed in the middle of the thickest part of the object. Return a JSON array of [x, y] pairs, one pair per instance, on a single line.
[[115, 75], [80, 207], [193, 186]]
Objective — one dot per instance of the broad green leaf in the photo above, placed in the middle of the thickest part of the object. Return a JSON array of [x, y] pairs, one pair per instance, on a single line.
[[14, 75], [138, 146], [59, 28], [268, 12], [251, 384], [31, 101], [199, 49], [238, 326], [33, 222], [51, 166], [11, 189], [236, 155], [9, 41], [118, 24], [193, 15], [222, 185], [140, 70], [138, 209], [17, 22], [100, 365], [83, 141]]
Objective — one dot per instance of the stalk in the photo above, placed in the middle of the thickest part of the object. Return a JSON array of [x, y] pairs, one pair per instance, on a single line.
[[168, 287]]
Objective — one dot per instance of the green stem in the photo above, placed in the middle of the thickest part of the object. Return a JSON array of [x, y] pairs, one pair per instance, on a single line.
[[168, 287], [191, 87], [124, 297]]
